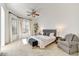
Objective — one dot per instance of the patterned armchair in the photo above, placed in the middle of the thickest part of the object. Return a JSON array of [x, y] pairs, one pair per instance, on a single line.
[[69, 44]]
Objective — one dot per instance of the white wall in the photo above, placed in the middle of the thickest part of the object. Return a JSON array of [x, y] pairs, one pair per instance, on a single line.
[[0, 26], [6, 23], [52, 15]]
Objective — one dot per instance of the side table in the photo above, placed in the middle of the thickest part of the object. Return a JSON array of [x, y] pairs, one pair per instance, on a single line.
[[57, 38]]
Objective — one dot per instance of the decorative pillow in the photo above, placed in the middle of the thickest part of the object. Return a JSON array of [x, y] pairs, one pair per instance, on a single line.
[[51, 34]]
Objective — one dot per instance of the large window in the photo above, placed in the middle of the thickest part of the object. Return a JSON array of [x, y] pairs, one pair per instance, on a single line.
[[14, 26]]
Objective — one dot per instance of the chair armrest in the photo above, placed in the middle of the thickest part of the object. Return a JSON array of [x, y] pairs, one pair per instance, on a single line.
[[62, 39]]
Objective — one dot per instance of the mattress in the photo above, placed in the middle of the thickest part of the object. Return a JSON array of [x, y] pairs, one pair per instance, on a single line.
[[43, 40]]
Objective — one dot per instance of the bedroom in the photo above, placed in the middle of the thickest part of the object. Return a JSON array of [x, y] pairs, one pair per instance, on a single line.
[[62, 17]]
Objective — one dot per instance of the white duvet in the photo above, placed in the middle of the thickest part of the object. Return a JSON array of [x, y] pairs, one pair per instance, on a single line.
[[44, 40]]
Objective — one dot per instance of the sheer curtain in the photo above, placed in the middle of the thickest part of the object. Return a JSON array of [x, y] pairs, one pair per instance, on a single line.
[[25, 28]]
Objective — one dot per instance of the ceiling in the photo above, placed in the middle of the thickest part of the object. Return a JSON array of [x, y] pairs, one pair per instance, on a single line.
[[21, 9]]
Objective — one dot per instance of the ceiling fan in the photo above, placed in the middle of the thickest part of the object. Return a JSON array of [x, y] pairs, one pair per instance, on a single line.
[[33, 13]]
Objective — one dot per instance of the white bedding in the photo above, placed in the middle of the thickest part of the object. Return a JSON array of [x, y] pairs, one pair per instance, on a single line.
[[44, 40]]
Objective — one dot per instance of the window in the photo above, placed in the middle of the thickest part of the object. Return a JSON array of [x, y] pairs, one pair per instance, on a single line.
[[14, 26], [25, 26]]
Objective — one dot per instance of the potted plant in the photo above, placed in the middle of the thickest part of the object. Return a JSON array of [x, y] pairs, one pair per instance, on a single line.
[[36, 28]]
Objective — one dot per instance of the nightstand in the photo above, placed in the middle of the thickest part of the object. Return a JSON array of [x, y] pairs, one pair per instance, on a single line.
[[57, 38]]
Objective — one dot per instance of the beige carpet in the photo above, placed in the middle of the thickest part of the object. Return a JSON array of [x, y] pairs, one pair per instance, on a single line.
[[19, 49]]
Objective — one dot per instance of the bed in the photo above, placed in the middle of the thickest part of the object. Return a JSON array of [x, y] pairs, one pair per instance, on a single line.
[[48, 37]]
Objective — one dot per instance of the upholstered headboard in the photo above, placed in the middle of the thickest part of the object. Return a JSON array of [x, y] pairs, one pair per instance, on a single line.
[[48, 31]]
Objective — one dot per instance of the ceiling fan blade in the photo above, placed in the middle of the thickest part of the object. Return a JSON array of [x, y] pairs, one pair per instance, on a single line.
[[33, 12], [37, 14]]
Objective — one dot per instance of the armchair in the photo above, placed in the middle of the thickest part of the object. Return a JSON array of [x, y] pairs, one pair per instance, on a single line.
[[69, 44]]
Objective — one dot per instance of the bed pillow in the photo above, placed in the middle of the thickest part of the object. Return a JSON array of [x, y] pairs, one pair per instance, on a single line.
[[46, 34]]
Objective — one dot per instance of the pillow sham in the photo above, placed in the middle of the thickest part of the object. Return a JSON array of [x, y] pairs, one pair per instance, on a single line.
[[46, 34]]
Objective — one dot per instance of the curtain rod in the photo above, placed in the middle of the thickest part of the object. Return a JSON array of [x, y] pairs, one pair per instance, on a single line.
[[18, 16], [15, 15]]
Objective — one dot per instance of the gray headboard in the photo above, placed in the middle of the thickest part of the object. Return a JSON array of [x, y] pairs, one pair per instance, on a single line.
[[48, 31]]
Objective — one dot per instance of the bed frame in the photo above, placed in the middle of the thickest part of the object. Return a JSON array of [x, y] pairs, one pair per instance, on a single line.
[[43, 43], [48, 31]]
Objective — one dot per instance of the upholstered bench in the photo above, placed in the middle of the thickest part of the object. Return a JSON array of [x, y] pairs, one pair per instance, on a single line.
[[33, 42]]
